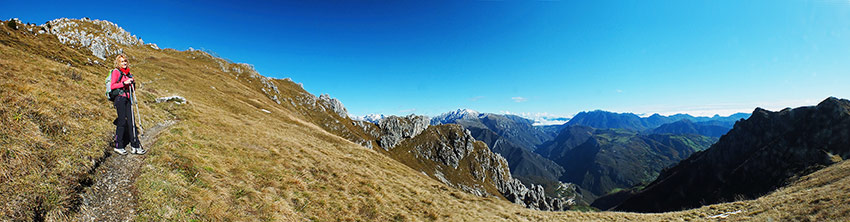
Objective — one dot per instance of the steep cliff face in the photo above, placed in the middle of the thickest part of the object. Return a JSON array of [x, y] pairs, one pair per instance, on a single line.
[[395, 129], [757, 156], [514, 138], [527, 166], [451, 154], [448, 154]]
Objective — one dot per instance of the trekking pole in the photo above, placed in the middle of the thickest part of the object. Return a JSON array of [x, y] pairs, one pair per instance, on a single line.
[[133, 90], [133, 127]]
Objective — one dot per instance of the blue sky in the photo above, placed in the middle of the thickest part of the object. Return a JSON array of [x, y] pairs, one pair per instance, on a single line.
[[525, 57]]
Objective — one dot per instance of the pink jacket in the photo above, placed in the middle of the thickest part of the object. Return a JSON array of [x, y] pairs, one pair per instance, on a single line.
[[120, 84]]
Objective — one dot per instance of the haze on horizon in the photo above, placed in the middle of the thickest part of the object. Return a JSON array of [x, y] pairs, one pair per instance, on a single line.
[[550, 58]]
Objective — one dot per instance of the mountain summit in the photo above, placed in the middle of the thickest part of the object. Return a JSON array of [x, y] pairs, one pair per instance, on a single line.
[[454, 116]]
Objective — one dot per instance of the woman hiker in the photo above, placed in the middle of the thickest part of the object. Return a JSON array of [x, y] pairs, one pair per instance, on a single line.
[[122, 79]]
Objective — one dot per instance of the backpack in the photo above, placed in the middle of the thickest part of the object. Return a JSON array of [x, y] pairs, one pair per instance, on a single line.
[[112, 93]]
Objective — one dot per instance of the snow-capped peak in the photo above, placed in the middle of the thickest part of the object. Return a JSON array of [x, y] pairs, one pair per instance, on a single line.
[[452, 116], [372, 118]]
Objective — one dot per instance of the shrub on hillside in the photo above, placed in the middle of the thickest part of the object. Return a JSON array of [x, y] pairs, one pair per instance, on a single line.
[[12, 24]]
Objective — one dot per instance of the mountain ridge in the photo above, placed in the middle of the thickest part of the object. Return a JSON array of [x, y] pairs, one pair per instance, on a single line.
[[759, 155], [246, 147], [605, 119], [603, 160], [685, 126]]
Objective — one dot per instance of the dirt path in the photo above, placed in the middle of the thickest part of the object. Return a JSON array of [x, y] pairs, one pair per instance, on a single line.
[[111, 197]]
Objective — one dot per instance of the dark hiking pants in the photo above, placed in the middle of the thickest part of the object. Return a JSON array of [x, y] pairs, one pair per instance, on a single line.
[[123, 132]]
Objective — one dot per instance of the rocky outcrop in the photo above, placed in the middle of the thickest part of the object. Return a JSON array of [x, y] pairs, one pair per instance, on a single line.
[[102, 37], [395, 129], [534, 198], [527, 166], [512, 137], [241, 70], [323, 103], [334, 104], [175, 99], [449, 148], [368, 128], [460, 161], [757, 156]]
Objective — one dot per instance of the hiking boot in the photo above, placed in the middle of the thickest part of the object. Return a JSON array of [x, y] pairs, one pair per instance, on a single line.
[[120, 151], [139, 150]]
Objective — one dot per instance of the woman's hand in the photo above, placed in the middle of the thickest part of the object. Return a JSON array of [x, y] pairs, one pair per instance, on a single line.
[[128, 81]]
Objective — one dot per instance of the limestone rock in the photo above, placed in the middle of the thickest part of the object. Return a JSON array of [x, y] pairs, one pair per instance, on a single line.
[[451, 146], [176, 99], [335, 105], [395, 129], [102, 38]]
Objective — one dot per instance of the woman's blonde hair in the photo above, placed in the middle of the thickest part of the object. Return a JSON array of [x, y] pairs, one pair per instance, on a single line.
[[118, 61]]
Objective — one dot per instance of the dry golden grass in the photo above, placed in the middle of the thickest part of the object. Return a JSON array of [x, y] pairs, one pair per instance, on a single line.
[[820, 196], [49, 131], [225, 159], [55, 122]]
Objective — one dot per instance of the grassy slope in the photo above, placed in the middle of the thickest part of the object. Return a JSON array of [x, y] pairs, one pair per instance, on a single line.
[[227, 160], [56, 123], [48, 130]]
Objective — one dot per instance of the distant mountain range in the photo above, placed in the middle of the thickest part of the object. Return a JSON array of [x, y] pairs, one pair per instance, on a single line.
[[450, 154], [604, 120], [605, 160], [516, 129], [623, 151], [685, 126], [454, 116], [757, 156]]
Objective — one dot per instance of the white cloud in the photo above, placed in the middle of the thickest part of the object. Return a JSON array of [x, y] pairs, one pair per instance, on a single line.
[[543, 118], [518, 99], [619, 91], [476, 98], [722, 109]]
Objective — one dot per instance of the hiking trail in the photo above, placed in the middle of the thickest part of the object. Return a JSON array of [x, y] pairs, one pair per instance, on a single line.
[[112, 195]]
